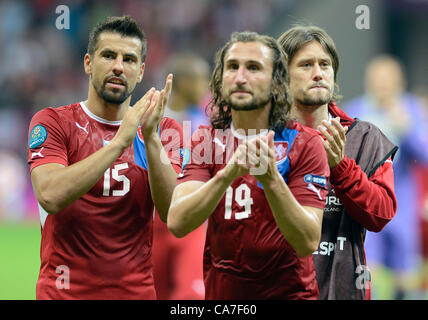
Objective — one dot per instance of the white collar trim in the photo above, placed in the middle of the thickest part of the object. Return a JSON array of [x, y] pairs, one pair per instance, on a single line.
[[242, 137], [99, 119]]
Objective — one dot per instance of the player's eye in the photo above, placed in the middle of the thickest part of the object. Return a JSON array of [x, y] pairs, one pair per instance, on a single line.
[[108, 55], [325, 64], [253, 67], [129, 59], [232, 66]]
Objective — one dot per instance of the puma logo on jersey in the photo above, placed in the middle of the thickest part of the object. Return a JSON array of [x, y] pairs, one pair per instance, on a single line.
[[34, 154], [83, 128], [317, 191]]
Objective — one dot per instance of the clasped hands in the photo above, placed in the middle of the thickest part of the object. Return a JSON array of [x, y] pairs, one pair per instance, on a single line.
[[335, 140], [255, 156]]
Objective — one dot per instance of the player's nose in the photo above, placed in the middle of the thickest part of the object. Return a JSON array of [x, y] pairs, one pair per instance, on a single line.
[[241, 76], [316, 72], [118, 65]]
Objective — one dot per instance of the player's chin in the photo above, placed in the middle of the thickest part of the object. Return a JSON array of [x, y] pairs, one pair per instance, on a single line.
[[316, 100], [115, 97], [239, 107], [245, 105]]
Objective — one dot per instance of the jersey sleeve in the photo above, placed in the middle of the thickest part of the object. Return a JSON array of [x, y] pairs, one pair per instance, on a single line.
[[369, 201], [197, 159], [309, 172], [171, 135], [46, 139]]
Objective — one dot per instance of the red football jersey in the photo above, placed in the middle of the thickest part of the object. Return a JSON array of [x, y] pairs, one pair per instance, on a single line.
[[98, 247], [246, 256]]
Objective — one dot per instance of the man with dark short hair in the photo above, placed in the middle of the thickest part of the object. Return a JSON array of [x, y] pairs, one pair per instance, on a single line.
[[361, 189], [262, 192], [93, 168]]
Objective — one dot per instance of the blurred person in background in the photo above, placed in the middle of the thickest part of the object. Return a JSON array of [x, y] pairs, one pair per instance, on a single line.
[[420, 174], [177, 263], [191, 76], [361, 187], [14, 177], [400, 115], [13, 183]]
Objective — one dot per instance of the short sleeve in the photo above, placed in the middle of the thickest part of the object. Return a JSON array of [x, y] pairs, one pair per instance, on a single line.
[[309, 172], [171, 135], [197, 160], [46, 139]]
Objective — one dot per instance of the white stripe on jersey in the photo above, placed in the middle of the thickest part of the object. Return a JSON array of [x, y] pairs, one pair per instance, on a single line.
[[43, 215]]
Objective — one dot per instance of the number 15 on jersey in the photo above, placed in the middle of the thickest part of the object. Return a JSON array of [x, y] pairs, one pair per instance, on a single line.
[[118, 177]]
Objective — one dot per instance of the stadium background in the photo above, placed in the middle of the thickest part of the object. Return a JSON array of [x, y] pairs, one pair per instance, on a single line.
[[41, 66]]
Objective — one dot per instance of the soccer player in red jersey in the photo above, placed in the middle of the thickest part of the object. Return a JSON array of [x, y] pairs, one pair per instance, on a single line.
[[96, 179], [262, 193], [361, 188], [177, 262]]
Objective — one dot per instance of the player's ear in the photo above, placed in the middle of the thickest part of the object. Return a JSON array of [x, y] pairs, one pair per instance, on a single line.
[[87, 64], [141, 73]]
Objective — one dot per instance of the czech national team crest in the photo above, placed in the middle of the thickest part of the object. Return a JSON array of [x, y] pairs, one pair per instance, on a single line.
[[140, 133], [281, 148]]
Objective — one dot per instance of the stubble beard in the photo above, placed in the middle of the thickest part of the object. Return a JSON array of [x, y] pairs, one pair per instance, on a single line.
[[253, 104], [111, 97], [308, 100]]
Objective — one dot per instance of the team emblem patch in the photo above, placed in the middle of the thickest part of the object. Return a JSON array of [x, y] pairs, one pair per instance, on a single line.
[[281, 148], [318, 180], [140, 133], [38, 135]]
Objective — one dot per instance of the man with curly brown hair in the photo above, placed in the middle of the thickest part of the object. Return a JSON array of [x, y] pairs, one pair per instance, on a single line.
[[258, 178]]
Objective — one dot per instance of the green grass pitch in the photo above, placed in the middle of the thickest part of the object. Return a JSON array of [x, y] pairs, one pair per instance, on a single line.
[[20, 263], [19, 260]]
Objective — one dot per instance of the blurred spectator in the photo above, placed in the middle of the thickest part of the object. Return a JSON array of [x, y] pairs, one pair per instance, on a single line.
[[13, 131], [401, 117], [420, 174], [40, 67], [190, 85], [13, 183], [177, 263], [45, 70]]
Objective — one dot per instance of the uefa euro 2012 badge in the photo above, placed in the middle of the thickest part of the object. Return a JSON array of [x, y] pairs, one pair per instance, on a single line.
[[37, 136]]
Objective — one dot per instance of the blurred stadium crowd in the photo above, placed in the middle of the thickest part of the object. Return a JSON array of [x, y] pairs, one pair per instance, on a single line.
[[42, 66]]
